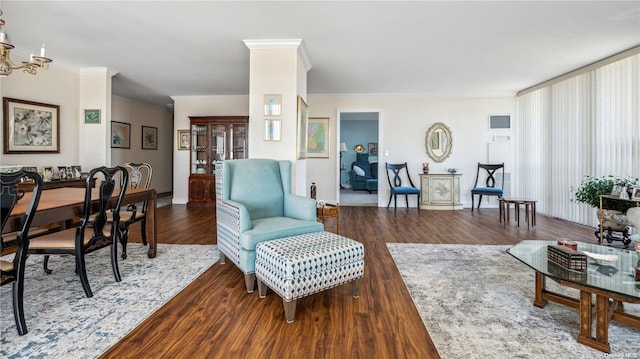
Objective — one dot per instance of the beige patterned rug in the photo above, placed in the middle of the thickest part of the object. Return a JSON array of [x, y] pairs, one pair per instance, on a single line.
[[64, 323], [476, 302]]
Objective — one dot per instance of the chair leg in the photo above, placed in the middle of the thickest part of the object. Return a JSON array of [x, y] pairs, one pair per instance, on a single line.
[[472, 197], [144, 231], [406, 199], [479, 201], [114, 259], [45, 264], [18, 302], [388, 204], [395, 203], [124, 238], [289, 310], [82, 272]]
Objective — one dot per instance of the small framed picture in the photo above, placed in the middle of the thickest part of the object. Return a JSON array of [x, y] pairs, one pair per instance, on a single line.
[[62, 172], [635, 193], [373, 148], [91, 116], [184, 139], [272, 105], [47, 173], [149, 138], [77, 171]]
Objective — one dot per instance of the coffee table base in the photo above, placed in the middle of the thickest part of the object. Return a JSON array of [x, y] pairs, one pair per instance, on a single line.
[[608, 307]]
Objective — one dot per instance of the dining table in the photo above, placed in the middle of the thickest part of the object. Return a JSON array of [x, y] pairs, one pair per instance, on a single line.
[[62, 205]]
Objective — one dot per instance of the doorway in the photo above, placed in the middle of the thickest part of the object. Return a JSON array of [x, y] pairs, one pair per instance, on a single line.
[[359, 131]]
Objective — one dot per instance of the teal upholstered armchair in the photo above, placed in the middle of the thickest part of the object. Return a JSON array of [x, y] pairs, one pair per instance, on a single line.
[[254, 204]]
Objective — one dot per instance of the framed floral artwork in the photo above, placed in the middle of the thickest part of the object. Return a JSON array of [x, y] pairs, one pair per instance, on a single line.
[[149, 138], [30, 127], [120, 134]]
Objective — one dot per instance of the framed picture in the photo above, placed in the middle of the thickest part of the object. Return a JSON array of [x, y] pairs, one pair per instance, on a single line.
[[120, 135], [62, 172], [318, 137], [272, 130], [31, 127], [272, 105], [373, 148], [184, 139], [149, 138], [635, 193], [47, 173], [302, 128], [77, 171], [91, 116]]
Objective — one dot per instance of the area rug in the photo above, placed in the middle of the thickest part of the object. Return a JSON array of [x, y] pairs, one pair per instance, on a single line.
[[64, 323], [476, 302]]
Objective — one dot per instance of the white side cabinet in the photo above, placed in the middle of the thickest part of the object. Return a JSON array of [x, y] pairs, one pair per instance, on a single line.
[[440, 191]]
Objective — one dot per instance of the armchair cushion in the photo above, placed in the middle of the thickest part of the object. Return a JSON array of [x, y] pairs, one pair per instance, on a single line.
[[359, 171]]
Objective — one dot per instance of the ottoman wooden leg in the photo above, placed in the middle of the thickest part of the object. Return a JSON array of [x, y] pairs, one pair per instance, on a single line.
[[262, 289], [289, 310], [355, 287], [250, 282]]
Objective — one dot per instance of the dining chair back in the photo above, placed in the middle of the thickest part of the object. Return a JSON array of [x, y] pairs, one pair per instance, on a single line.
[[139, 177], [12, 271], [396, 186], [95, 230]]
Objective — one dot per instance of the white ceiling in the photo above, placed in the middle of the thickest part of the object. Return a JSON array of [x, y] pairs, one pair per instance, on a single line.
[[433, 48]]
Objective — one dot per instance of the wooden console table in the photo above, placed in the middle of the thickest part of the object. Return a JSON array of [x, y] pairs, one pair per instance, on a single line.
[[440, 191]]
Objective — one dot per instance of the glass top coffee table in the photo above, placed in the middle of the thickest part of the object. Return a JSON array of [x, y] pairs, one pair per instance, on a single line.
[[611, 283]]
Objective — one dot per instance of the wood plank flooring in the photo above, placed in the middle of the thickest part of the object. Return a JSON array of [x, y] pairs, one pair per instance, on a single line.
[[215, 316]]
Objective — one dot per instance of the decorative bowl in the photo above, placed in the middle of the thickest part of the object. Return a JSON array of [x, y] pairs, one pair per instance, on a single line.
[[609, 259]]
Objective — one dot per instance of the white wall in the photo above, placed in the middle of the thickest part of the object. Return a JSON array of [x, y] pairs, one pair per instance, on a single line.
[[55, 87], [138, 115], [404, 123], [60, 87]]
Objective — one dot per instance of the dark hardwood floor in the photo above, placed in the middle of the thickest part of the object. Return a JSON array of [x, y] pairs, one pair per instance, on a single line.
[[215, 316]]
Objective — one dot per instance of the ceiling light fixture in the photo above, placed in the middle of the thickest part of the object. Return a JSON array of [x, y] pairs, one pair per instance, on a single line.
[[7, 66]]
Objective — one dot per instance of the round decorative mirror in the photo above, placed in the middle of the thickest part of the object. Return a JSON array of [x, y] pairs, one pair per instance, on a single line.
[[438, 142]]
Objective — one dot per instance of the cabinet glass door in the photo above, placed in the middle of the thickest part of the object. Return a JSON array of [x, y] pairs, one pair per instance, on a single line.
[[239, 141], [218, 143], [198, 149]]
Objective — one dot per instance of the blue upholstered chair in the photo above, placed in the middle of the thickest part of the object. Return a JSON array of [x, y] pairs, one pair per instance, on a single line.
[[396, 188], [489, 188], [254, 203]]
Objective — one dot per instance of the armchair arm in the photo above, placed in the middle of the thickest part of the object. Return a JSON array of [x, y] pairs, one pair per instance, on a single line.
[[299, 207], [232, 219]]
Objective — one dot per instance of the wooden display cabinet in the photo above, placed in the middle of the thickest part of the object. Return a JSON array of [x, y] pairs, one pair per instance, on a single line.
[[213, 139]]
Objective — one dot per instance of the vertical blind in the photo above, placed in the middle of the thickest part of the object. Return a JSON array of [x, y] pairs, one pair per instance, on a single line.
[[588, 124]]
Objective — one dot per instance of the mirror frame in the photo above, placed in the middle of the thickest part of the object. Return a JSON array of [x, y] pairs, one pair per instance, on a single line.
[[427, 141]]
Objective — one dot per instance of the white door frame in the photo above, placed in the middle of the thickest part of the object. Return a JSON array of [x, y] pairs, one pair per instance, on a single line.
[[339, 113]]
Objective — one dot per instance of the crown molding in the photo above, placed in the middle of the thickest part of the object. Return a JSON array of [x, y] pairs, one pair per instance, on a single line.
[[279, 44], [98, 71]]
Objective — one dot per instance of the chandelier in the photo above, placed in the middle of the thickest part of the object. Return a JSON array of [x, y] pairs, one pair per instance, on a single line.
[[7, 66]]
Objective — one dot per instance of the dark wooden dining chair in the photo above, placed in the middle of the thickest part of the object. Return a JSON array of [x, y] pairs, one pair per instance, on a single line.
[[139, 177], [396, 188], [13, 271], [93, 232]]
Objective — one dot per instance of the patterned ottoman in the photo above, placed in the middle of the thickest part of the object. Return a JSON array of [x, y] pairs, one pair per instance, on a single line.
[[297, 266]]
